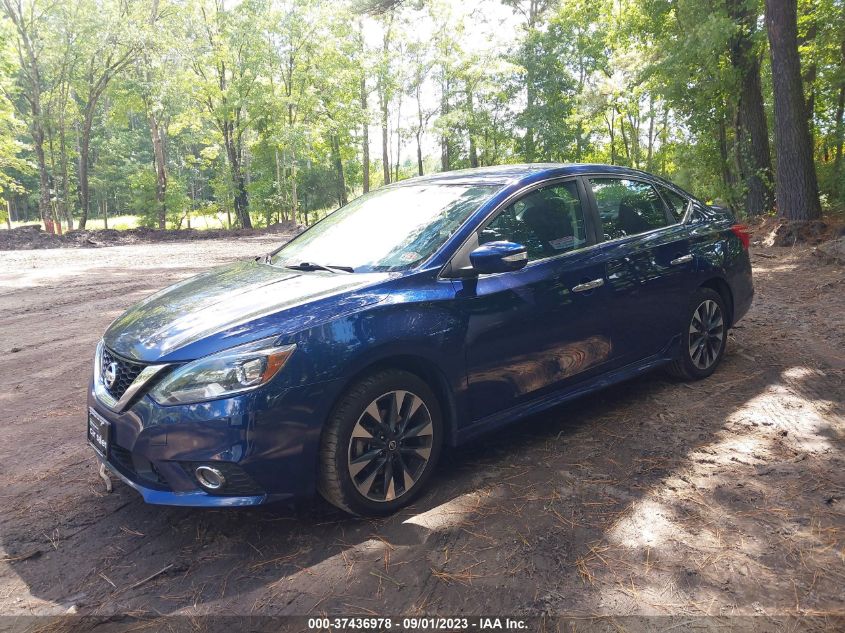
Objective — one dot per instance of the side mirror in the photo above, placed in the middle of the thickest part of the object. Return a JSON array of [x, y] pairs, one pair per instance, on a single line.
[[498, 257]]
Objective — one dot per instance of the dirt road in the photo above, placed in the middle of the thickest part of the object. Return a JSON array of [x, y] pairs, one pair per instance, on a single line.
[[654, 497]]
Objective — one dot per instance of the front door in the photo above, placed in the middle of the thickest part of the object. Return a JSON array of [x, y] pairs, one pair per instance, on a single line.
[[532, 331]]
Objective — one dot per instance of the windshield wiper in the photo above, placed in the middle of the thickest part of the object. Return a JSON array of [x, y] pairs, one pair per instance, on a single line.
[[315, 266]]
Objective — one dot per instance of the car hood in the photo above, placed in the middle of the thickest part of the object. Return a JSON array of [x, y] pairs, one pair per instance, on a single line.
[[234, 304]]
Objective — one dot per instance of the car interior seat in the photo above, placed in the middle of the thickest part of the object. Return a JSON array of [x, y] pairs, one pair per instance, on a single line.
[[549, 220], [632, 219]]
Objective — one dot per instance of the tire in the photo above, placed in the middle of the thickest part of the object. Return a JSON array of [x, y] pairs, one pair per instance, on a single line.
[[380, 444], [700, 353]]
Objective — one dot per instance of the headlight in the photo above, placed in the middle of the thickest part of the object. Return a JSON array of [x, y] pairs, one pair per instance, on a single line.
[[226, 373]]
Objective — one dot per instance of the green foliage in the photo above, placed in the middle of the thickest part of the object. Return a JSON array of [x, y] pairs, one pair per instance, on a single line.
[[142, 187], [257, 109], [12, 163]]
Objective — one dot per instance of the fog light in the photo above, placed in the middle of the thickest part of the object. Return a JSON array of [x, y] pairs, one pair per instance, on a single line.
[[210, 478]]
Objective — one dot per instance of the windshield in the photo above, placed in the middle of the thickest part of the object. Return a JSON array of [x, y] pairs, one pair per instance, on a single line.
[[389, 229]]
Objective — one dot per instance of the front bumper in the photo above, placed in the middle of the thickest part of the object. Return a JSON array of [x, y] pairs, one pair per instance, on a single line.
[[267, 441], [196, 499]]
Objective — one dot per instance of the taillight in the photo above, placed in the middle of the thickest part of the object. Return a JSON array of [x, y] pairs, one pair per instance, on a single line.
[[743, 233]]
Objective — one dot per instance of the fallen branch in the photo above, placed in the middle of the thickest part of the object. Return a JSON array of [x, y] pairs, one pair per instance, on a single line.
[[149, 578]]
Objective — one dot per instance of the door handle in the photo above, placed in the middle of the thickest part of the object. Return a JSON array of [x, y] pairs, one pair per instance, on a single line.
[[589, 285], [681, 260]]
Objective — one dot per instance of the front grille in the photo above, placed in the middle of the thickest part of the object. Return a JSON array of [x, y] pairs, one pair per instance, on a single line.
[[126, 371]]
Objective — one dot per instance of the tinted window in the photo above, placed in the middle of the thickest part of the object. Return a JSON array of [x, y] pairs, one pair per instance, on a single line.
[[548, 221], [677, 203], [627, 207]]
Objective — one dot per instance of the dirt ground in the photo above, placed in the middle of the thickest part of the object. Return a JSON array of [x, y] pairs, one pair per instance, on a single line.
[[32, 236], [723, 497]]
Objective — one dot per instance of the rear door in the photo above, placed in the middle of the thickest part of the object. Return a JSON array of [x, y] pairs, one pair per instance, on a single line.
[[648, 261]]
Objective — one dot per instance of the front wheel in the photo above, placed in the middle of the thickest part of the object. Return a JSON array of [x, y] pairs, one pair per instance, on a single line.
[[704, 337], [380, 444]]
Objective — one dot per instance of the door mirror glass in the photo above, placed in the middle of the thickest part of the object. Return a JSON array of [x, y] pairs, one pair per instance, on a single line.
[[498, 257]]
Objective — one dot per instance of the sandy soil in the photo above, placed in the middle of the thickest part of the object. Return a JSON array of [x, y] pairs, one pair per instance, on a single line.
[[654, 497]]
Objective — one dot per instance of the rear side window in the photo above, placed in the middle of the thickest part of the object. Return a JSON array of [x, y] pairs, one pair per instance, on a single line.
[[627, 207], [548, 222], [677, 203]]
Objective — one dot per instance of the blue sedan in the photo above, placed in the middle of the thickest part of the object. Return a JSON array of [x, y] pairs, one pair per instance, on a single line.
[[418, 316]]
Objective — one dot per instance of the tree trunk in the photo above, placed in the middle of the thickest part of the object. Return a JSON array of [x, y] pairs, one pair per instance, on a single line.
[[84, 151], [445, 157], [530, 98], [340, 183], [365, 135], [611, 131], [650, 151], [234, 155], [278, 187], [724, 156], [624, 138], [839, 131], [754, 144], [65, 177], [473, 151], [840, 140], [161, 169], [664, 138], [797, 190], [43, 175], [365, 114], [294, 200], [385, 140], [398, 137], [808, 77], [419, 155], [384, 101], [752, 132]]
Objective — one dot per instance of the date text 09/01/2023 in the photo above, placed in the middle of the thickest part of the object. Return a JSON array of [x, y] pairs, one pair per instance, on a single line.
[[417, 623]]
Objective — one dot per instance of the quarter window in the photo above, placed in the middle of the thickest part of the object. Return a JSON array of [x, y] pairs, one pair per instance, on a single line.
[[677, 203], [548, 222], [627, 207]]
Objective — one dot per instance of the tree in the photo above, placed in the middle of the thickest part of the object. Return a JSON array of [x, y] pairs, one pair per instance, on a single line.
[[531, 12], [154, 79], [365, 110], [796, 186], [11, 161], [108, 40], [755, 158], [385, 93], [28, 21], [227, 63]]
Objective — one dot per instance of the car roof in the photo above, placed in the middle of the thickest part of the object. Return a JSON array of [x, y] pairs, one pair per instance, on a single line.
[[511, 174]]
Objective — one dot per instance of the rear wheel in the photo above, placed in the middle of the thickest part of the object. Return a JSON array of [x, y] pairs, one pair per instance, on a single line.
[[380, 444], [704, 337]]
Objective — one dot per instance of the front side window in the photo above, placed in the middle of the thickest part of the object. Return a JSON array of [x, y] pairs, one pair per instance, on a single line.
[[627, 207], [677, 203], [548, 222], [390, 229]]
